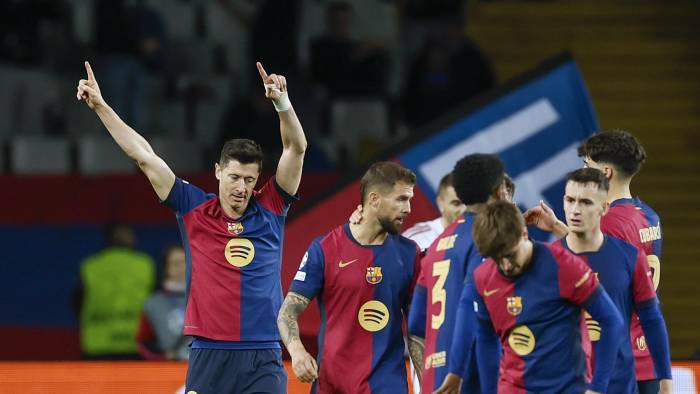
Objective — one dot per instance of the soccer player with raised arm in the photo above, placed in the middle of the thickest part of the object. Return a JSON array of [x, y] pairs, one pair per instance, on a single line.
[[233, 245], [363, 275], [530, 296], [622, 270], [478, 179]]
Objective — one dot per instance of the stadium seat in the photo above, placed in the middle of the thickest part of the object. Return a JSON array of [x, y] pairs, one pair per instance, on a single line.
[[182, 156], [167, 118], [99, 155], [179, 17], [27, 93], [40, 155], [360, 126]]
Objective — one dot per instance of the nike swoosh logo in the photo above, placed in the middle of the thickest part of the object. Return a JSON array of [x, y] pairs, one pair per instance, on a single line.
[[342, 264], [488, 293]]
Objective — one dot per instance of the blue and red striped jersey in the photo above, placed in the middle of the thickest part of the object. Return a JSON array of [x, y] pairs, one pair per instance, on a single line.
[[233, 266], [449, 260], [537, 317], [631, 220], [363, 294], [625, 274]]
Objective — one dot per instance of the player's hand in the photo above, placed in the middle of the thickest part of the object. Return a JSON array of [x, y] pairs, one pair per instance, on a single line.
[[665, 386], [451, 385], [356, 216], [303, 365], [275, 85], [541, 216], [89, 90]]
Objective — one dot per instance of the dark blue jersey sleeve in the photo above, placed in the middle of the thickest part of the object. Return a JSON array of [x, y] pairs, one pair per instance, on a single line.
[[656, 335], [308, 280], [488, 352], [601, 308], [184, 197], [465, 330], [416, 315]]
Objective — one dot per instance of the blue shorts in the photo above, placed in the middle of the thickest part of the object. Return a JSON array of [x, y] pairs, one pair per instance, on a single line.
[[222, 371], [648, 386]]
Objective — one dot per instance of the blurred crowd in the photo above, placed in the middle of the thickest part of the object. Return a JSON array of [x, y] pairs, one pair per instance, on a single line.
[[362, 74]]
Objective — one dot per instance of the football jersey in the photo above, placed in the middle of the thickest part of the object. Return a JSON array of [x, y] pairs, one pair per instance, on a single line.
[[444, 268], [633, 221], [363, 293], [537, 317], [424, 233], [233, 266], [624, 273]]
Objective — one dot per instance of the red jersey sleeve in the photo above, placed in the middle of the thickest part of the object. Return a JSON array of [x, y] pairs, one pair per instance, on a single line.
[[576, 280], [642, 284], [273, 198]]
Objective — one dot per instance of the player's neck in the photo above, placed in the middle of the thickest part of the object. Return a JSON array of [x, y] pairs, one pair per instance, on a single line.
[[230, 212], [590, 241], [369, 232], [618, 190]]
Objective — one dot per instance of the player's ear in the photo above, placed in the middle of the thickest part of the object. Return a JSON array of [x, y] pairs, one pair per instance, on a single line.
[[608, 171], [373, 198], [501, 193], [606, 206], [217, 171]]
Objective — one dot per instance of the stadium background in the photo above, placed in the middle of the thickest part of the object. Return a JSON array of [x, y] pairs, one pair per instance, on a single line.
[[639, 61]]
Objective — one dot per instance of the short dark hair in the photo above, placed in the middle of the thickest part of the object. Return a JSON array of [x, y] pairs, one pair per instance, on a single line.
[[243, 150], [384, 175], [497, 229], [477, 176], [616, 147], [589, 175], [445, 182], [510, 185]]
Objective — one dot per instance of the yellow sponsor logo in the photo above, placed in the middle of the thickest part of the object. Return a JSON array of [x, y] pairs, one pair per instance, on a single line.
[[593, 328], [373, 316], [436, 360], [446, 242], [521, 340], [239, 252]]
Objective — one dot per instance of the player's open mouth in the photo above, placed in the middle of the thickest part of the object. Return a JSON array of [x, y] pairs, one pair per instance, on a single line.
[[575, 222]]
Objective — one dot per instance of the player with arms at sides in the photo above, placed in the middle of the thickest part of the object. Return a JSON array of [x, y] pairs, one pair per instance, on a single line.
[[233, 245], [478, 179], [622, 270], [620, 156], [530, 295], [363, 275], [450, 207]]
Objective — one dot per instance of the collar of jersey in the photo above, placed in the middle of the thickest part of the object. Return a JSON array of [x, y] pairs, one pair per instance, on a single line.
[[566, 246], [215, 210], [348, 233]]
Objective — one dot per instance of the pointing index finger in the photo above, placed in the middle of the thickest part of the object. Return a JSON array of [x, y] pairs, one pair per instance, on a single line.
[[262, 72], [91, 75]]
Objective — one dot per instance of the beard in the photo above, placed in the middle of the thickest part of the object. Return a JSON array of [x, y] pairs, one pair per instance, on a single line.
[[389, 225]]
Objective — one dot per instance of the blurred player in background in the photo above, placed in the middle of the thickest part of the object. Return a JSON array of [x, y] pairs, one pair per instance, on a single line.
[[624, 272], [233, 245], [530, 295], [450, 207], [363, 275], [619, 155], [478, 180]]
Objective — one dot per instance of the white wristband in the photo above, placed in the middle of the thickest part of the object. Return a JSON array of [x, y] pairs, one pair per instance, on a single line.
[[282, 104]]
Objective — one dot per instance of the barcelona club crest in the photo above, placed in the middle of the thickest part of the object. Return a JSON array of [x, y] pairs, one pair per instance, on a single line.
[[374, 275], [235, 228], [514, 305]]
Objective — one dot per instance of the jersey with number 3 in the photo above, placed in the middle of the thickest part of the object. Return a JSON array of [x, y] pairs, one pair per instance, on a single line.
[[449, 260], [632, 220]]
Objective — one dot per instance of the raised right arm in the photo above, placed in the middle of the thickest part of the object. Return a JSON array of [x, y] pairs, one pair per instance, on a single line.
[[132, 143]]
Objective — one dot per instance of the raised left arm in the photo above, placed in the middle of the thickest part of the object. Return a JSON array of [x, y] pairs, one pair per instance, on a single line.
[[288, 174]]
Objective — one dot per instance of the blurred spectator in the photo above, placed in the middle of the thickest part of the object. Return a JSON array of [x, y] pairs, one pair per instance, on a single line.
[[160, 331], [35, 32], [419, 18], [112, 288], [345, 66], [252, 117], [130, 39], [449, 70]]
